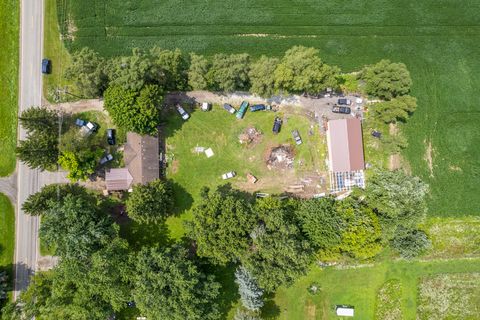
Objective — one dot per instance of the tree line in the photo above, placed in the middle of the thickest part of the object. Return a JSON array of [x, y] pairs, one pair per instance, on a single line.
[[133, 86], [269, 242]]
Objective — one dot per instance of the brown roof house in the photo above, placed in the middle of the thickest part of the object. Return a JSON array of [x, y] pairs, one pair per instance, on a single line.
[[142, 163], [345, 154]]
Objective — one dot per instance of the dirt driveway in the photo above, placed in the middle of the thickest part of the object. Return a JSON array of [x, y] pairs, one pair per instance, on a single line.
[[320, 108]]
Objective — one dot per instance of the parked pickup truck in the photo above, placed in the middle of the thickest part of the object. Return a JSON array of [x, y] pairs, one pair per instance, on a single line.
[[338, 109], [345, 102]]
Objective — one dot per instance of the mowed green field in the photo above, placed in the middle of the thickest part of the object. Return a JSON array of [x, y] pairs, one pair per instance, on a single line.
[[7, 236], [438, 40], [9, 22]]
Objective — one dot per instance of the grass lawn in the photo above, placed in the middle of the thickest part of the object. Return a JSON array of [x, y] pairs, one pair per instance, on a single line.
[[439, 44], [359, 287], [453, 238], [388, 286], [9, 33], [7, 235], [55, 50], [220, 131]]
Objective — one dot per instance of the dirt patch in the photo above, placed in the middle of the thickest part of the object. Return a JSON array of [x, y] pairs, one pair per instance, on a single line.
[[174, 166], [79, 106], [280, 157], [310, 310], [455, 168], [250, 136], [429, 157], [395, 161]]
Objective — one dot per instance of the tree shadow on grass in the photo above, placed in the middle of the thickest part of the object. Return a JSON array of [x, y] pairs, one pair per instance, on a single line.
[[139, 235], [182, 199], [229, 296], [171, 121], [270, 309], [227, 189]]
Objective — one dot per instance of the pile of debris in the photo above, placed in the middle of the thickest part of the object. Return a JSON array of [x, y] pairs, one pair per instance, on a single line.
[[281, 157], [250, 136]]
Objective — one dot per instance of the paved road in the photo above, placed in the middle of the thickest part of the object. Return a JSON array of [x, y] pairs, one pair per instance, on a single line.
[[29, 181]]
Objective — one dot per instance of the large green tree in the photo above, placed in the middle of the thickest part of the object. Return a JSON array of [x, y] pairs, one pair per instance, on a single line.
[[41, 119], [38, 203], [302, 70], [106, 274], [399, 199], [80, 166], [280, 253], [132, 72], [198, 72], [321, 223], [169, 68], [137, 111], [397, 109], [76, 228], [261, 76], [87, 71], [410, 243], [230, 72], [221, 225], [150, 203], [167, 285], [40, 149], [52, 295], [386, 79], [362, 236]]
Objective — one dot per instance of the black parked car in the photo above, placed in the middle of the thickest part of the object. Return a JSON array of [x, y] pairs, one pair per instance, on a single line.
[[277, 125], [345, 110], [111, 136], [46, 66]]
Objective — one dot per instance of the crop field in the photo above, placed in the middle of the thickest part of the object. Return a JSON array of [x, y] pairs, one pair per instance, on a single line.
[[220, 131], [9, 16], [437, 40]]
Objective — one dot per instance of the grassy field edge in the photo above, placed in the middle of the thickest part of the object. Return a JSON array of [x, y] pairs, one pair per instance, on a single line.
[[7, 236], [9, 33]]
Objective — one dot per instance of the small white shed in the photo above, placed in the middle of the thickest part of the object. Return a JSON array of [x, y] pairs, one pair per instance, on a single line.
[[344, 311]]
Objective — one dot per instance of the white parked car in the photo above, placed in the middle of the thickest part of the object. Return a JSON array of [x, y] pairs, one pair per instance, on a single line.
[[182, 112], [229, 175]]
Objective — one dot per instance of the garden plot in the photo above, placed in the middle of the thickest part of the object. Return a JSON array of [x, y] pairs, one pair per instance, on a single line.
[[389, 304], [449, 296]]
